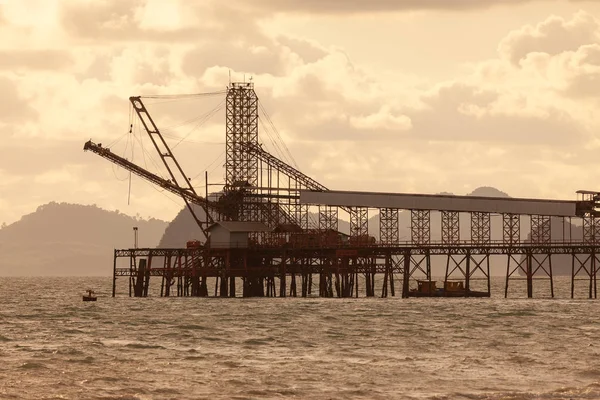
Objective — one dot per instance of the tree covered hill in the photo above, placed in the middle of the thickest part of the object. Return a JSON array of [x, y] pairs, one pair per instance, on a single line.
[[61, 239]]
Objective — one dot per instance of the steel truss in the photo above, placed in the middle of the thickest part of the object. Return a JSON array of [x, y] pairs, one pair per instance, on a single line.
[[540, 229], [420, 226], [241, 167], [511, 229], [591, 229], [328, 218], [480, 227], [531, 265], [450, 227], [587, 265], [464, 267], [388, 226], [416, 265], [359, 222]]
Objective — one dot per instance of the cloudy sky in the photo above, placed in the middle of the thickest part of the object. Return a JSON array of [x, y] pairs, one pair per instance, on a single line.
[[417, 96]]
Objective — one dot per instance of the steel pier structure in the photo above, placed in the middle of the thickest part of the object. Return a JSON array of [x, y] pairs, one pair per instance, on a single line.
[[273, 231]]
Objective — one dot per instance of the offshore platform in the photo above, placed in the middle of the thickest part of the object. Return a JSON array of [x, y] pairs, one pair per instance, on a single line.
[[260, 231]]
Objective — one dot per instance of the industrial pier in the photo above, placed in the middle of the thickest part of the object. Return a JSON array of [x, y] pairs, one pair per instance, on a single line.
[[274, 231]]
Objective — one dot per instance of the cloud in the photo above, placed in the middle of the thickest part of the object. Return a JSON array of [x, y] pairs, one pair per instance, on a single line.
[[115, 20], [384, 119], [581, 72], [310, 52], [552, 36], [459, 112], [378, 6], [236, 56], [517, 114], [13, 108], [154, 21], [34, 59]]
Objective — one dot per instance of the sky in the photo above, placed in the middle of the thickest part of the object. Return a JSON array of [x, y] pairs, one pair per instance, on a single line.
[[408, 96]]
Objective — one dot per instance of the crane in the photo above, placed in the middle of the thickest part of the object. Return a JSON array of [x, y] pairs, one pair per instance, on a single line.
[[189, 196], [178, 182], [230, 203], [178, 177]]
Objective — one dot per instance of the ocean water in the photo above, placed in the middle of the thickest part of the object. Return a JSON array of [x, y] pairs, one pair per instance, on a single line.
[[54, 346]]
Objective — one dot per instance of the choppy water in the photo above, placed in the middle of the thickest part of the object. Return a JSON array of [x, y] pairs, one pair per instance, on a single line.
[[54, 346]]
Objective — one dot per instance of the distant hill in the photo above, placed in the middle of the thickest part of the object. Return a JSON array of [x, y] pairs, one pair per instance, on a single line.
[[182, 228], [70, 239]]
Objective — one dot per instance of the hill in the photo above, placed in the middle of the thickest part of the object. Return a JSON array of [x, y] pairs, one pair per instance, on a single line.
[[182, 228], [71, 240]]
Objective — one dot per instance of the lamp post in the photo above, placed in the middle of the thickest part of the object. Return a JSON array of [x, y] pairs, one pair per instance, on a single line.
[[135, 237]]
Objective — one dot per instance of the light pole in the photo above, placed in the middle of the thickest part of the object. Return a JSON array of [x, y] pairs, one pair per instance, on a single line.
[[135, 237]]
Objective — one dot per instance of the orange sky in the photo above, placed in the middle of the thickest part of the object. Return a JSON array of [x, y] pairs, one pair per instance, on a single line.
[[406, 96]]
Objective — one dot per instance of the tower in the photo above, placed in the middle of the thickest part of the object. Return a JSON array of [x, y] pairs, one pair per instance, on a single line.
[[242, 127]]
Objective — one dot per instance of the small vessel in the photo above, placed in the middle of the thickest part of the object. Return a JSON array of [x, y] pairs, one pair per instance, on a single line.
[[90, 296], [450, 289]]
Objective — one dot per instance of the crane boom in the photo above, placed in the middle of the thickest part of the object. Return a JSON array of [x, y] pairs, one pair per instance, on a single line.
[[189, 196], [303, 179], [282, 166], [178, 177]]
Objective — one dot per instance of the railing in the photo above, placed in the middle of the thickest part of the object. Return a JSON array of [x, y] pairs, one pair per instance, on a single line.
[[431, 244]]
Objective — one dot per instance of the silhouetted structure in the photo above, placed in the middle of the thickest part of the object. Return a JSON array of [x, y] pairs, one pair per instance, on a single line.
[[259, 230]]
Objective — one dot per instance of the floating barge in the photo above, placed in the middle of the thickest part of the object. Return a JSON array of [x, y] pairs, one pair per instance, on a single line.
[[450, 289]]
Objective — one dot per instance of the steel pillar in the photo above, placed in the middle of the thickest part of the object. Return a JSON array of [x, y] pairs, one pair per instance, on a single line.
[[328, 218], [388, 226], [511, 229], [359, 226], [450, 227], [480, 227], [591, 229], [587, 265], [241, 167], [540, 229], [420, 226]]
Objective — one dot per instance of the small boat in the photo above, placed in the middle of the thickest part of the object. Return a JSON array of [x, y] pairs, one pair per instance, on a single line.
[[90, 296], [450, 289]]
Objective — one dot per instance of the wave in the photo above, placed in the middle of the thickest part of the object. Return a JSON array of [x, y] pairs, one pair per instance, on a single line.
[[591, 391]]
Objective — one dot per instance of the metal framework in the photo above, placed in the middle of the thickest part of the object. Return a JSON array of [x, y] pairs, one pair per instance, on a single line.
[[359, 222], [241, 167], [388, 226], [591, 233], [261, 187], [480, 227], [211, 209], [420, 226], [328, 218], [450, 227], [540, 229], [178, 177], [511, 228]]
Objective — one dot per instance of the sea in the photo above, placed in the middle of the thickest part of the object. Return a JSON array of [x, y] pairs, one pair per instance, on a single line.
[[55, 346]]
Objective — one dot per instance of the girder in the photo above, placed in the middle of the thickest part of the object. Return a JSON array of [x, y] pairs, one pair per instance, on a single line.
[[190, 197], [176, 173]]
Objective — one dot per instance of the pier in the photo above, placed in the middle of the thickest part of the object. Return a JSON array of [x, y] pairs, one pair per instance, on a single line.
[[267, 271], [272, 231]]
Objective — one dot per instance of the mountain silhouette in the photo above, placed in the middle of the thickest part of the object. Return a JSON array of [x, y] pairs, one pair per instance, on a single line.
[[61, 239]]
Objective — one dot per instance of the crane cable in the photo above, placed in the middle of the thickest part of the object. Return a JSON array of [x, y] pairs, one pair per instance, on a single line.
[[206, 117], [287, 151]]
